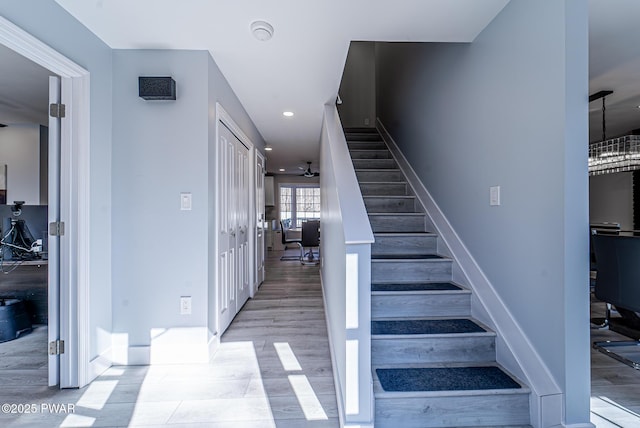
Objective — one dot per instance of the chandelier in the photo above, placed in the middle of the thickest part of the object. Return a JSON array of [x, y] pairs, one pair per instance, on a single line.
[[614, 155]]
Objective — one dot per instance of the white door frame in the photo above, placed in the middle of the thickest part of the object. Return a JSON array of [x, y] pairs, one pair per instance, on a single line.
[[74, 200], [223, 117]]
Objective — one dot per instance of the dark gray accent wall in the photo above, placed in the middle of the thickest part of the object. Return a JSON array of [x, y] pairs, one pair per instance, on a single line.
[[358, 87], [509, 110]]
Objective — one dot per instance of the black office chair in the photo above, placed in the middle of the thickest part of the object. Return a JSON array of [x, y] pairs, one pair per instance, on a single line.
[[617, 284], [285, 240], [310, 240]]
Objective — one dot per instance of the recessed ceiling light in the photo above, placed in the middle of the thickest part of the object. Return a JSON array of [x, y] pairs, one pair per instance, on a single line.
[[262, 30], [268, 149], [281, 170], [287, 113]]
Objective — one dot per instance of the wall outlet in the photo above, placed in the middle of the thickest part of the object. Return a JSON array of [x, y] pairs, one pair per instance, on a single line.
[[494, 195], [185, 305], [366, 121]]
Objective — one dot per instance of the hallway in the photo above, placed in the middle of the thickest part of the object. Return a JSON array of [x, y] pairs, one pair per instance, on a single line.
[[272, 370]]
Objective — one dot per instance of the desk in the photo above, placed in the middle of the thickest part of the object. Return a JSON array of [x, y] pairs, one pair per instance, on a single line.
[[29, 282]]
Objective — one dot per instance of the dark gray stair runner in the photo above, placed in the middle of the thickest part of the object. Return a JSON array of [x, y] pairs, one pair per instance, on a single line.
[[445, 379], [437, 326]]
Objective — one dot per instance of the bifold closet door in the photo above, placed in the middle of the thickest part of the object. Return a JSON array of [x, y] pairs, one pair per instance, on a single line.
[[233, 243]]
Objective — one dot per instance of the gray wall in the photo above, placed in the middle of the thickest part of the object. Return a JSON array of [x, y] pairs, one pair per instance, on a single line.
[[160, 149], [47, 21], [611, 199], [509, 110], [358, 86]]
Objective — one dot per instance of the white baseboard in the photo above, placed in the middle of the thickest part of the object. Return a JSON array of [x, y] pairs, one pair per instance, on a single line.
[[178, 345], [214, 344], [545, 411], [100, 364]]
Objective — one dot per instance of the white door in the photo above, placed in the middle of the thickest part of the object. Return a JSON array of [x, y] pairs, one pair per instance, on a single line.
[[260, 218], [54, 241], [243, 218], [233, 234], [226, 229]]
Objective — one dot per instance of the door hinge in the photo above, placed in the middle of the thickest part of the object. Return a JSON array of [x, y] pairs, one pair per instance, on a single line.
[[57, 110], [56, 347], [56, 228]]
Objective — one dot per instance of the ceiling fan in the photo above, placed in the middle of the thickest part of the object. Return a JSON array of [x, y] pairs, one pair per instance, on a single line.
[[308, 173]]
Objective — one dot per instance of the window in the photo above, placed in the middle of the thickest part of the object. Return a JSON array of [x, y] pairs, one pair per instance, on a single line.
[[299, 203]]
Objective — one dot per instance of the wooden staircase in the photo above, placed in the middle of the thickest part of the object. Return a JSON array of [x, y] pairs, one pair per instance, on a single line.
[[433, 364]]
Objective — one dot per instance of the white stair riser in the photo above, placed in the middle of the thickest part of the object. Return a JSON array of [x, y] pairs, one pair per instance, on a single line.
[[452, 411], [420, 305], [433, 350], [405, 244], [413, 270]]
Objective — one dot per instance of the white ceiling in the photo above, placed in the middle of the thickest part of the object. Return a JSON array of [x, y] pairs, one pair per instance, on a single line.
[[24, 89], [300, 68]]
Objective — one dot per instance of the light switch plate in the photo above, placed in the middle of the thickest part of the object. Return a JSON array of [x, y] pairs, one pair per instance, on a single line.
[[494, 195], [185, 201]]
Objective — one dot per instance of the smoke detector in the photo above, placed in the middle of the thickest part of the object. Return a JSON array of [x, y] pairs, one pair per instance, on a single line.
[[262, 30]]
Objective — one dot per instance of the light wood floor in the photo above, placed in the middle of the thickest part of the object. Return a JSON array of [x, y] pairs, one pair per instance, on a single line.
[[273, 369], [615, 387], [248, 384]]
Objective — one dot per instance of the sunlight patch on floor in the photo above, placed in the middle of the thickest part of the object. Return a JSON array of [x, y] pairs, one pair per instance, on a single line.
[[287, 357], [605, 410], [307, 398], [97, 394], [74, 421]]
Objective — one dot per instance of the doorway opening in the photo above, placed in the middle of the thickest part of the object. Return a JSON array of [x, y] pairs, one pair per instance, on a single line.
[[69, 266]]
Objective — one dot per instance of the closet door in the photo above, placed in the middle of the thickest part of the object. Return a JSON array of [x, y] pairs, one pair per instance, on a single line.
[[242, 225], [260, 219], [234, 258], [227, 277]]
